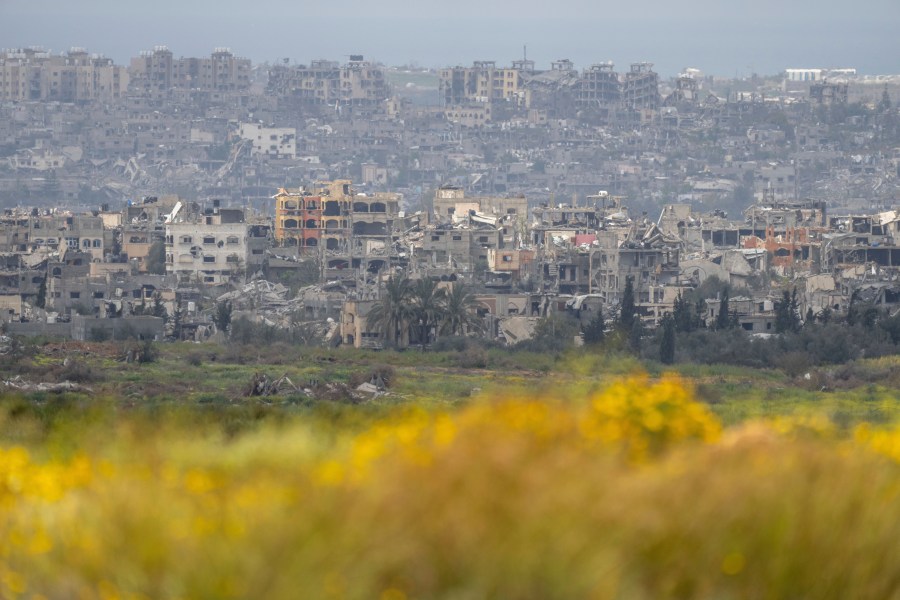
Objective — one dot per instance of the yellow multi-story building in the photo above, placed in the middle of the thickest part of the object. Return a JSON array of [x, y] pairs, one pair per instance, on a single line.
[[156, 72], [482, 82], [353, 229], [33, 74]]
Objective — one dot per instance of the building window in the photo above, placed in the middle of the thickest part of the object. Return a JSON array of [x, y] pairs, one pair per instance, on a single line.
[[209, 259], [74, 295], [209, 239], [186, 239]]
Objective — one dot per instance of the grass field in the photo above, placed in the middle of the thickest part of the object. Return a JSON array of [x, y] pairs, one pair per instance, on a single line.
[[530, 476]]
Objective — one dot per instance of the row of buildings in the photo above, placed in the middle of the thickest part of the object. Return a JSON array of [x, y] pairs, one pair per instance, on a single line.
[[598, 88], [524, 262], [34, 74]]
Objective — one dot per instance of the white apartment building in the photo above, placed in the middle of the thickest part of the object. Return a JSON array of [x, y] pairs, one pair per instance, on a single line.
[[274, 142], [215, 248]]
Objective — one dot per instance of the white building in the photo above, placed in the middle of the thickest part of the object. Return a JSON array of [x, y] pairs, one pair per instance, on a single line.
[[803, 74], [818, 74], [274, 142], [215, 247]]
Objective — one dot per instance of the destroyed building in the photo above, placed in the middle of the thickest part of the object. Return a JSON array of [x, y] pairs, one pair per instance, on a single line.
[[647, 256], [599, 91], [506, 213], [640, 88], [214, 246], [346, 228], [482, 82], [863, 239], [324, 82]]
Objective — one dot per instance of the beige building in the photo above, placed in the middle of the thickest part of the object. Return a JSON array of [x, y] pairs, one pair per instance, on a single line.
[[156, 72], [33, 74], [355, 331], [450, 201], [358, 82], [474, 115], [482, 82], [509, 214]]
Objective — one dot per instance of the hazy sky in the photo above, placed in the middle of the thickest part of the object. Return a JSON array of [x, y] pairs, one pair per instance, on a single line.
[[719, 37]]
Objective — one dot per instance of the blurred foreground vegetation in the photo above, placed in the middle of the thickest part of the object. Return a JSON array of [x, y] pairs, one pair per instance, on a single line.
[[521, 475]]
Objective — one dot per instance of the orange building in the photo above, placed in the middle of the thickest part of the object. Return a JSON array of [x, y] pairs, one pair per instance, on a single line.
[[298, 218], [793, 246]]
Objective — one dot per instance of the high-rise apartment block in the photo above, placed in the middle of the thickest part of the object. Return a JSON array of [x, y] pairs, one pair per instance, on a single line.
[[156, 72], [356, 83], [482, 82], [33, 74]]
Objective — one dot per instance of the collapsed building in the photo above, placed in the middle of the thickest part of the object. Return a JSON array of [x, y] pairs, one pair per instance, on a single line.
[[323, 82]]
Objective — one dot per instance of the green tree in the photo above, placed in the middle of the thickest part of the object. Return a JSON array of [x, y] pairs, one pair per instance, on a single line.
[[635, 335], [158, 309], [459, 311], [667, 341], [392, 312], [177, 320], [156, 258], [222, 316], [593, 332], [554, 333], [627, 310], [41, 300], [428, 307], [786, 317], [853, 309], [684, 315], [723, 319], [869, 317]]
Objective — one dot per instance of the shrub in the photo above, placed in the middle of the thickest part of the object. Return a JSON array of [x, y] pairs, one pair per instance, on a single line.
[[794, 363], [450, 343], [472, 358], [74, 370]]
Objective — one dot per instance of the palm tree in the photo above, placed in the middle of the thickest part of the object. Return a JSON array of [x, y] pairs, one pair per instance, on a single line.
[[459, 311], [428, 306], [393, 310]]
